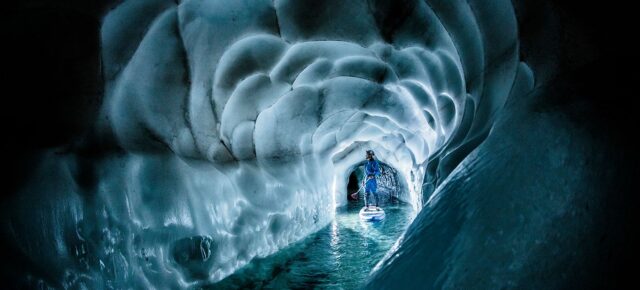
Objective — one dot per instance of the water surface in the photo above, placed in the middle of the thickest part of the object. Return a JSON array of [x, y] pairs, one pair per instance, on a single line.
[[339, 256]]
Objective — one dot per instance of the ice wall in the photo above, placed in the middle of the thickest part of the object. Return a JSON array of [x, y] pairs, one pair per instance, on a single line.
[[231, 128]]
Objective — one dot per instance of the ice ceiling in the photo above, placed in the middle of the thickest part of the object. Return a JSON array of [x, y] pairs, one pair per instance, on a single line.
[[239, 122]]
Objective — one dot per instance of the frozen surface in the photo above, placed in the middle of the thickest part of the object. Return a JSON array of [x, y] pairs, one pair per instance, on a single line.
[[237, 124]]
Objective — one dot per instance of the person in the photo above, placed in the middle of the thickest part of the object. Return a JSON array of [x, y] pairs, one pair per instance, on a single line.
[[371, 169]]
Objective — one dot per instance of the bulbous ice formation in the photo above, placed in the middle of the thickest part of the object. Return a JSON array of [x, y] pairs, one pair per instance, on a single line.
[[234, 125]]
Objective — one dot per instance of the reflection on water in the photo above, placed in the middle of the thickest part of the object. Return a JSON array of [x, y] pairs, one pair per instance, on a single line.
[[339, 256]]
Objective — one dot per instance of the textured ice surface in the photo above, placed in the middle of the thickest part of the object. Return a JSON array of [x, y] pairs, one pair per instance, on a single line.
[[482, 230], [240, 121]]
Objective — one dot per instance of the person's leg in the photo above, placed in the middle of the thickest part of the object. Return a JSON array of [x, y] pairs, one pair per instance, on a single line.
[[369, 189], [367, 198], [375, 195], [374, 191]]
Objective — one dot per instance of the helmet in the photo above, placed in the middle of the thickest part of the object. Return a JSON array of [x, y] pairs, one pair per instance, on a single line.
[[370, 152]]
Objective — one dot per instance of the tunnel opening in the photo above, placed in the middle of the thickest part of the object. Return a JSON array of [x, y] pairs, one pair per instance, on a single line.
[[390, 186]]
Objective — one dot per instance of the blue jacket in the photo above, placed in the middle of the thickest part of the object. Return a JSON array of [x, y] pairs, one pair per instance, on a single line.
[[371, 168]]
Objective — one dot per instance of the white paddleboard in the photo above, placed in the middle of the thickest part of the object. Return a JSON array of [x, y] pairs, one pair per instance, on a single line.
[[372, 214]]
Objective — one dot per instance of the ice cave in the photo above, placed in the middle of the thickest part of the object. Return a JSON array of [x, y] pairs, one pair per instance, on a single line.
[[219, 144]]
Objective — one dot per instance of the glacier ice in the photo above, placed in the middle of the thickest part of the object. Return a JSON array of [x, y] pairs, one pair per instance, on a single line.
[[229, 130], [243, 136]]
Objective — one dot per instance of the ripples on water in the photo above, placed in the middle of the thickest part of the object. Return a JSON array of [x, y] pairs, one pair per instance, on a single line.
[[339, 256]]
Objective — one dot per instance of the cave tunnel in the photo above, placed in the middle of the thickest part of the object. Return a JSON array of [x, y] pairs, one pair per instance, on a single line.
[[157, 144]]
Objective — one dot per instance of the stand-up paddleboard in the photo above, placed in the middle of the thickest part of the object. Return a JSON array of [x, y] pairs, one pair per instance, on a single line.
[[372, 214]]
